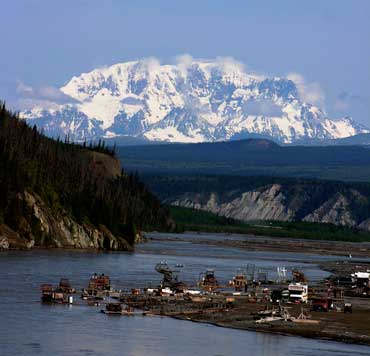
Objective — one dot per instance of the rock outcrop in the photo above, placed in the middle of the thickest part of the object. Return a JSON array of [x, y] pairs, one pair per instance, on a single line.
[[45, 228], [280, 203]]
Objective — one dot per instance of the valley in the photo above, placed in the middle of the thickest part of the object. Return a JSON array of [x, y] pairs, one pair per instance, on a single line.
[[250, 157]]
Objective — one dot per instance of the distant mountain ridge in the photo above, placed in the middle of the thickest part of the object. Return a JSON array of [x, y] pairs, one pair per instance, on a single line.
[[200, 101], [362, 139], [250, 157]]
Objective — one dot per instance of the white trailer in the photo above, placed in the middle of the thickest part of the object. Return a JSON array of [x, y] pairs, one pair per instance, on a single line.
[[298, 293]]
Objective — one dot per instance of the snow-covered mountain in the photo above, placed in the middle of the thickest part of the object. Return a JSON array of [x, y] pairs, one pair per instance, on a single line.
[[193, 102]]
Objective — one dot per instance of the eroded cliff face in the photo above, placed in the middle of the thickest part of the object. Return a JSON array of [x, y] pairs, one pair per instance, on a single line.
[[336, 210], [273, 202], [261, 204], [45, 228]]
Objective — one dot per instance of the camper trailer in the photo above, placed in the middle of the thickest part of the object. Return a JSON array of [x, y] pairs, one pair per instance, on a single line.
[[298, 293]]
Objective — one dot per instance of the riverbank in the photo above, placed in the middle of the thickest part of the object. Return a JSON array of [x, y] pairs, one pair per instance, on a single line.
[[348, 328], [243, 314], [333, 325], [273, 244], [87, 329]]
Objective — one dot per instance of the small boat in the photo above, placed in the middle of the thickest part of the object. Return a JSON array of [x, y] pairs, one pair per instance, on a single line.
[[239, 281], [113, 309], [88, 294], [46, 293], [65, 286], [51, 295], [116, 309], [99, 282], [207, 280]]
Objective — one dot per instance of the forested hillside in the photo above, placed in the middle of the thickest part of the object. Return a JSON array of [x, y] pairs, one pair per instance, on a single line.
[[251, 157], [53, 193], [269, 198]]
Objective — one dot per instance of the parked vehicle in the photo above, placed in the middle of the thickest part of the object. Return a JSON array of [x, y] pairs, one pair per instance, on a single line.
[[322, 304], [298, 293]]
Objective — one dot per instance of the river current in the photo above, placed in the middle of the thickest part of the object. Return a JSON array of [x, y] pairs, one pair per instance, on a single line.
[[29, 328]]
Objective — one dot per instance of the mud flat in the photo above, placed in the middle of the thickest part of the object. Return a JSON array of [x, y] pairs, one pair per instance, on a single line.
[[333, 325], [274, 244], [350, 328]]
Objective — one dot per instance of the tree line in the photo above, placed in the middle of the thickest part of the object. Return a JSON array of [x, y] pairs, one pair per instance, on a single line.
[[67, 179]]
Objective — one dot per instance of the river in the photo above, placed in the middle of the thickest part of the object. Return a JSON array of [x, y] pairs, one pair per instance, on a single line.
[[29, 328]]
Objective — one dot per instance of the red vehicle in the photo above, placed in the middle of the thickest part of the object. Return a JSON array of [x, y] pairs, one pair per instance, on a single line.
[[321, 304]]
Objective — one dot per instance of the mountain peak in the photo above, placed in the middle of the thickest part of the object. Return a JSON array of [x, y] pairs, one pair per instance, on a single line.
[[191, 101]]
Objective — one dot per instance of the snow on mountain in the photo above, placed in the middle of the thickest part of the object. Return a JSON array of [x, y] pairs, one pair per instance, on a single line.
[[193, 102]]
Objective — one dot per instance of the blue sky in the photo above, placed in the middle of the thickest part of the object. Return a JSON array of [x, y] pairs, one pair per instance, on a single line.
[[46, 42]]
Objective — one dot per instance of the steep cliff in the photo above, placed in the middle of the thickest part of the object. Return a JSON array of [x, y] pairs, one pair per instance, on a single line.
[[57, 194], [42, 228], [269, 198]]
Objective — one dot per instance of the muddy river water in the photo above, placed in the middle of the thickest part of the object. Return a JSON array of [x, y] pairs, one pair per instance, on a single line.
[[30, 328]]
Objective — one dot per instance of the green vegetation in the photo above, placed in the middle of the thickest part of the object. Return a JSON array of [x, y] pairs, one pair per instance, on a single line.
[[303, 196], [187, 219], [250, 157], [72, 179]]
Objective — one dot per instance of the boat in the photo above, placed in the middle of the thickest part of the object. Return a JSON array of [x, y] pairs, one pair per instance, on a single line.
[[51, 295], [113, 309], [116, 309], [65, 286], [239, 281], [46, 293], [99, 287], [207, 280], [99, 282]]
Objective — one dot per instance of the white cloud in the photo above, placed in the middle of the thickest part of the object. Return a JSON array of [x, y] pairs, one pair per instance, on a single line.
[[230, 64], [45, 92], [25, 104], [311, 93], [52, 93], [183, 62], [45, 96], [151, 64], [24, 89]]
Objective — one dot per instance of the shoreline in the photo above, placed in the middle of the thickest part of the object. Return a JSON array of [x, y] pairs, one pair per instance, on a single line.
[[356, 340], [350, 328], [334, 326], [240, 241], [271, 244]]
